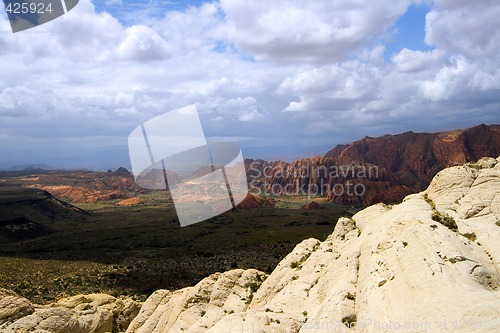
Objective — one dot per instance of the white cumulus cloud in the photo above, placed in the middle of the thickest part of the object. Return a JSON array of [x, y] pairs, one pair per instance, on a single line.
[[283, 74]]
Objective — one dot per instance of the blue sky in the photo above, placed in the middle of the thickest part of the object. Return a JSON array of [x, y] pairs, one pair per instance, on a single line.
[[409, 31], [283, 79], [116, 6], [131, 12]]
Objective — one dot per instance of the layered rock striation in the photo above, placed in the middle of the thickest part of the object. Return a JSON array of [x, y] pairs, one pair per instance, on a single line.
[[372, 170]]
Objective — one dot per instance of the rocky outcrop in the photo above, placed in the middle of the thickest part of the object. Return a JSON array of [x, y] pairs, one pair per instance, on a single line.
[[313, 205], [121, 172], [199, 308], [83, 194], [429, 264], [372, 170], [85, 186], [255, 201], [96, 313], [13, 307]]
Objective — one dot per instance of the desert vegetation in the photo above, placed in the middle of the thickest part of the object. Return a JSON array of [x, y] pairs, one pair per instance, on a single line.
[[133, 250], [437, 216]]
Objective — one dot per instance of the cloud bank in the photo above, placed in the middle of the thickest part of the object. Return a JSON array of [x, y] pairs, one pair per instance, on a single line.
[[283, 78]]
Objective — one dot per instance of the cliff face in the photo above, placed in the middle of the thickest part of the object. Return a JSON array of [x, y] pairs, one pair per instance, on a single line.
[[431, 263], [372, 170]]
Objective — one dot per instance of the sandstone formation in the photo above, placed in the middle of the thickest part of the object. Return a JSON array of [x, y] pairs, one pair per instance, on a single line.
[[429, 264], [252, 201], [199, 308], [13, 307], [82, 194], [129, 201], [83, 186], [313, 205], [372, 170], [96, 313]]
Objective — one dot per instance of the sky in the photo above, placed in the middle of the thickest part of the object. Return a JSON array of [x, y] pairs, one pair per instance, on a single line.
[[284, 79]]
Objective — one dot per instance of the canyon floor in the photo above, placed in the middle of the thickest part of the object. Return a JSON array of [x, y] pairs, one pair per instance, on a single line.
[[50, 248]]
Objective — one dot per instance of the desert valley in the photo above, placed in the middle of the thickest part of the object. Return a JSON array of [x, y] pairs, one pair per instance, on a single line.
[[96, 253]]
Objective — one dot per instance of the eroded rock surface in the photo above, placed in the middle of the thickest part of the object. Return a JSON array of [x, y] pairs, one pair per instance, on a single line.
[[95, 313], [12, 306], [389, 268]]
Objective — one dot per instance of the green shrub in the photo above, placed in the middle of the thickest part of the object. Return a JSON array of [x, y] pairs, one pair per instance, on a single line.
[[470, 235], [296, 264], [449, 222], [474, 166], [429, 201], [349, 321], [445, 220], [351, 296], [254, 286]]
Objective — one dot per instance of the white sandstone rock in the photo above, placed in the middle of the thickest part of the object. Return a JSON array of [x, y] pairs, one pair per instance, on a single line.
[[388, 269], [95, 313], [198, 308], [12, 306]]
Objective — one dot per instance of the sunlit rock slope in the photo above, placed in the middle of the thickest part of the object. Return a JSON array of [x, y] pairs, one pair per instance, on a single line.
[[431, 263]]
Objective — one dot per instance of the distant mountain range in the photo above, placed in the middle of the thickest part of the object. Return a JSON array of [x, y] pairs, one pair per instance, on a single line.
[[30, 167], [371, 170], [367, 171]]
